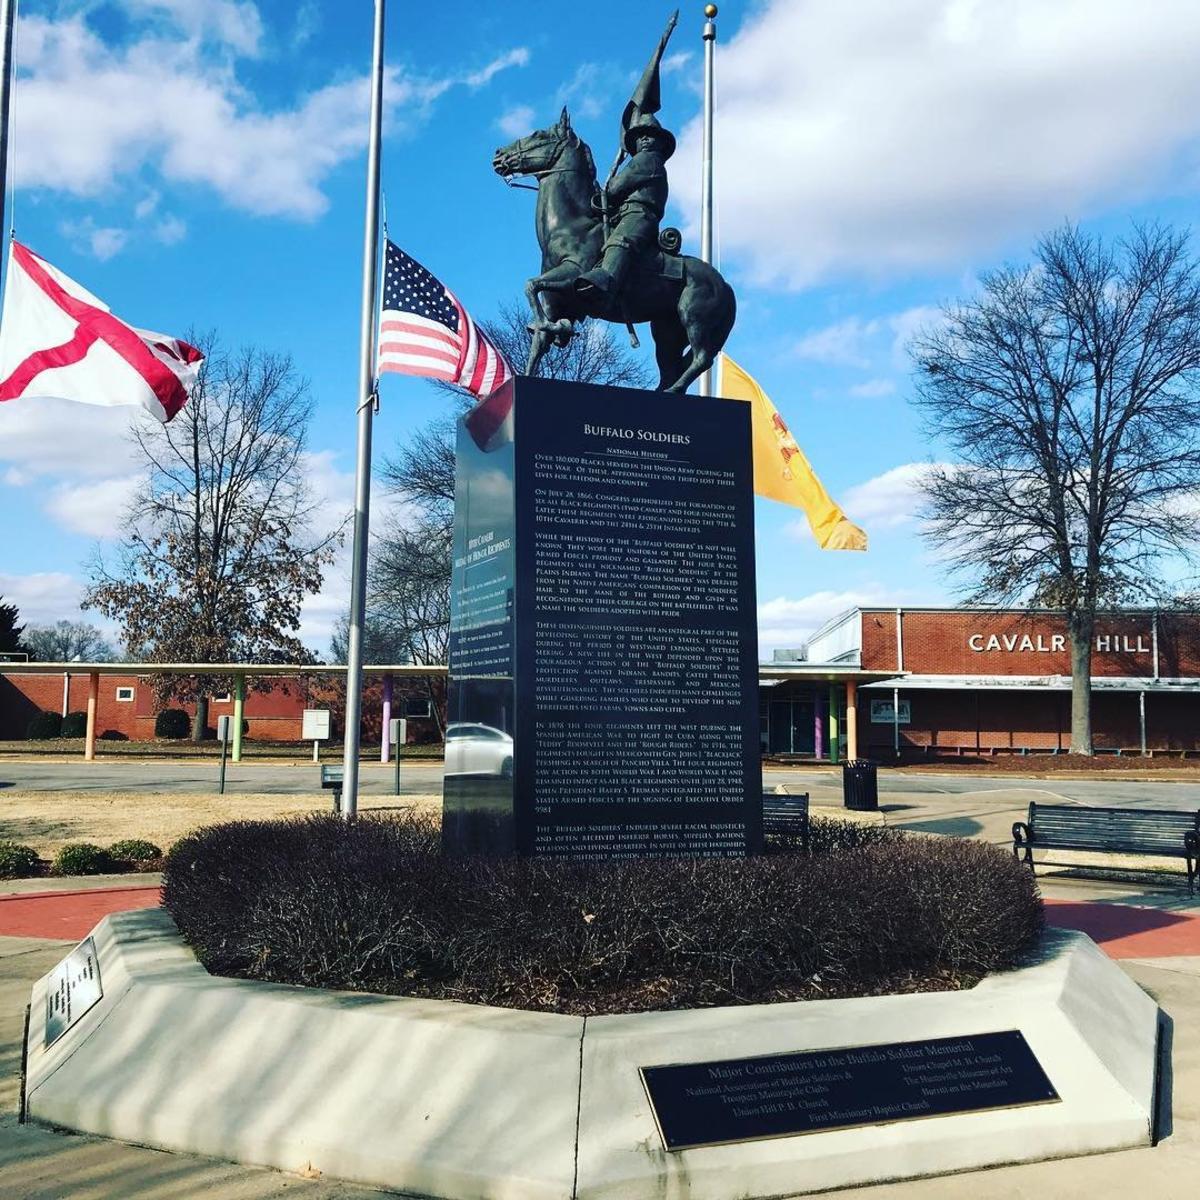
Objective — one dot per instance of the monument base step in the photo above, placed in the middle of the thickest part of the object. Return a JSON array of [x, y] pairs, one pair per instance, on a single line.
[[468, 1102]]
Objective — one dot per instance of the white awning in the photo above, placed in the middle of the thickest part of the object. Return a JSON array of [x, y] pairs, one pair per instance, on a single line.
[[1032, 683]]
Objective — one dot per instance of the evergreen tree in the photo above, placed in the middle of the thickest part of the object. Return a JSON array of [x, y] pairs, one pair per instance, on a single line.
[[10, 631]]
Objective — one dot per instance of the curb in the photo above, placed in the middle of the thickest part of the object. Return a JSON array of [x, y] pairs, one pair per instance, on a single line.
[[137, 887]]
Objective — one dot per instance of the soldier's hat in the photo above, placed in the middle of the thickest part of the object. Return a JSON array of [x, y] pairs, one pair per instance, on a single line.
[[647, 126]]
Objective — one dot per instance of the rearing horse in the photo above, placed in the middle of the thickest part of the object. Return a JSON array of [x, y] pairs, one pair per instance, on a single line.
[[690, 317]]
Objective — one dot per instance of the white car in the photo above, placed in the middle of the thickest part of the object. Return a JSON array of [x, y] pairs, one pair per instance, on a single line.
[[473, 749]]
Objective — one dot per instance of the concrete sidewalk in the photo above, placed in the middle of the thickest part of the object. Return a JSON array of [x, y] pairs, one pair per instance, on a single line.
[[39, 1164]]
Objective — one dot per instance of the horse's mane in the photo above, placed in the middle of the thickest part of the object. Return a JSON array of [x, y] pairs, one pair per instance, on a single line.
[[588, 161], [591, 162]]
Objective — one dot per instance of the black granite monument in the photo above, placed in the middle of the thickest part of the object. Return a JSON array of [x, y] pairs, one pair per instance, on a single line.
[[603, 652]]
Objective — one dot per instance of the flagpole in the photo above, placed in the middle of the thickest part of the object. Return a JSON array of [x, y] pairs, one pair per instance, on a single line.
[[362, 471], [8, 21], [706, 173]]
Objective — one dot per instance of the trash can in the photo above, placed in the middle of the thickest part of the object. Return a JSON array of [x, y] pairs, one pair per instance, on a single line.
[[860, 787]]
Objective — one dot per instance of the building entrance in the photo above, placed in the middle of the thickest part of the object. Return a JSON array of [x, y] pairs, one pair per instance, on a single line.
[[792, 729]]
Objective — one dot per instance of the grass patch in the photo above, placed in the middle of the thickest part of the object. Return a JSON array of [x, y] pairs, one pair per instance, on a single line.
[[48, 820]]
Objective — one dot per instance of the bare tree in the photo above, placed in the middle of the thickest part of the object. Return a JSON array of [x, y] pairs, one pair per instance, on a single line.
[[68, 641], [594, 354], [224, 541], [1068, 391], [422, 472]]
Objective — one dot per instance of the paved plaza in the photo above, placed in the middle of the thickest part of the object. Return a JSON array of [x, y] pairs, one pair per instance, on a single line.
[[1152, 928]]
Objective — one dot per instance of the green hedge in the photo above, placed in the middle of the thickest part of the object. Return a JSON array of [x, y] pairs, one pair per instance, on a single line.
[[18, 861], [373, 905], [82, 858], [74, 725], [134, 851], [44, 726], [172, 723]]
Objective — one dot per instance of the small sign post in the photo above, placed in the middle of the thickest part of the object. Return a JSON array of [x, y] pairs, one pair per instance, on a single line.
[[223, 732], [399, 732], [332, 779], [315, 728]]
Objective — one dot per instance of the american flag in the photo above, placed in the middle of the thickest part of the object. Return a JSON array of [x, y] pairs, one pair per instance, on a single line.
[[423, 330]]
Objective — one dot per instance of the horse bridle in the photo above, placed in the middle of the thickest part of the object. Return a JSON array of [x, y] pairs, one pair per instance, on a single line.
[[510, 180]]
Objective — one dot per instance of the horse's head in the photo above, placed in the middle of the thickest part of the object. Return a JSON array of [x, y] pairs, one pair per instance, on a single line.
[[536, 153]]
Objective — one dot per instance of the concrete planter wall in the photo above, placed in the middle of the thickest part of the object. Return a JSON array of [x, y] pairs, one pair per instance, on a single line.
[[474, 1103]]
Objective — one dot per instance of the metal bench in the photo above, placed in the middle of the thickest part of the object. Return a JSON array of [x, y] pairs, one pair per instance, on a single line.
[[786, 817], [1161, 833]]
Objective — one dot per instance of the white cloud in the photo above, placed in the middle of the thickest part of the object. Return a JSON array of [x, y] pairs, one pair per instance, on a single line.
[[320, 613], [840, 344], [146, 205], [873, 389], [587, 92], [170, 230], [100, 241], [517, 57], [860, 342], [676, 62], [89, 114], [73, 441], [308, 21], [233, 24], [887, 500], [95, 509], [517, 121], [912, 134], [331, 488], [43, 597], [787, 622]]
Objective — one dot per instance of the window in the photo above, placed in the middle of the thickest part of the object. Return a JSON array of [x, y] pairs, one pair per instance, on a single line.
[[883, 713], [416, 706], [125, 694], [225, 699]]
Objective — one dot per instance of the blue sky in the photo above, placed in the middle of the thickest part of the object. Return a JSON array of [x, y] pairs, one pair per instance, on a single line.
[[201, 166]]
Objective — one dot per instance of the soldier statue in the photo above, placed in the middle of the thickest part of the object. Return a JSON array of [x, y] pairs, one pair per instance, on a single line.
[[603, 255], [636, 203]]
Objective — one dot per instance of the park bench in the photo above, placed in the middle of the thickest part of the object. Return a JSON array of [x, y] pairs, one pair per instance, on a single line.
[[786, 817], [1161, 833]]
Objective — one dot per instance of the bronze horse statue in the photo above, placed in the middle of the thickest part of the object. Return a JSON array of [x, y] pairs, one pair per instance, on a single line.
[[689, 305]]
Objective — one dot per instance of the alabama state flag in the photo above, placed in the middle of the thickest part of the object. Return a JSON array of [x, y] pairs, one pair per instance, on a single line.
[[58, 340]]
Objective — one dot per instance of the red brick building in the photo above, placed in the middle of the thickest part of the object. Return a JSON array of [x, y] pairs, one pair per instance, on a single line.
[[927, 682], [126, 705]]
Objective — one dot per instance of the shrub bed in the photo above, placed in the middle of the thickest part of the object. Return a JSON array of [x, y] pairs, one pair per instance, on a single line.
[[373, 906], [135, 854], [18, 861], [74, 725], [44, 726], [172, 723], [82, 858]]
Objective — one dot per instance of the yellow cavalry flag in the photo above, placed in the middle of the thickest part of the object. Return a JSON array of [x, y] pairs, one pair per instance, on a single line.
[[781, 472]]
